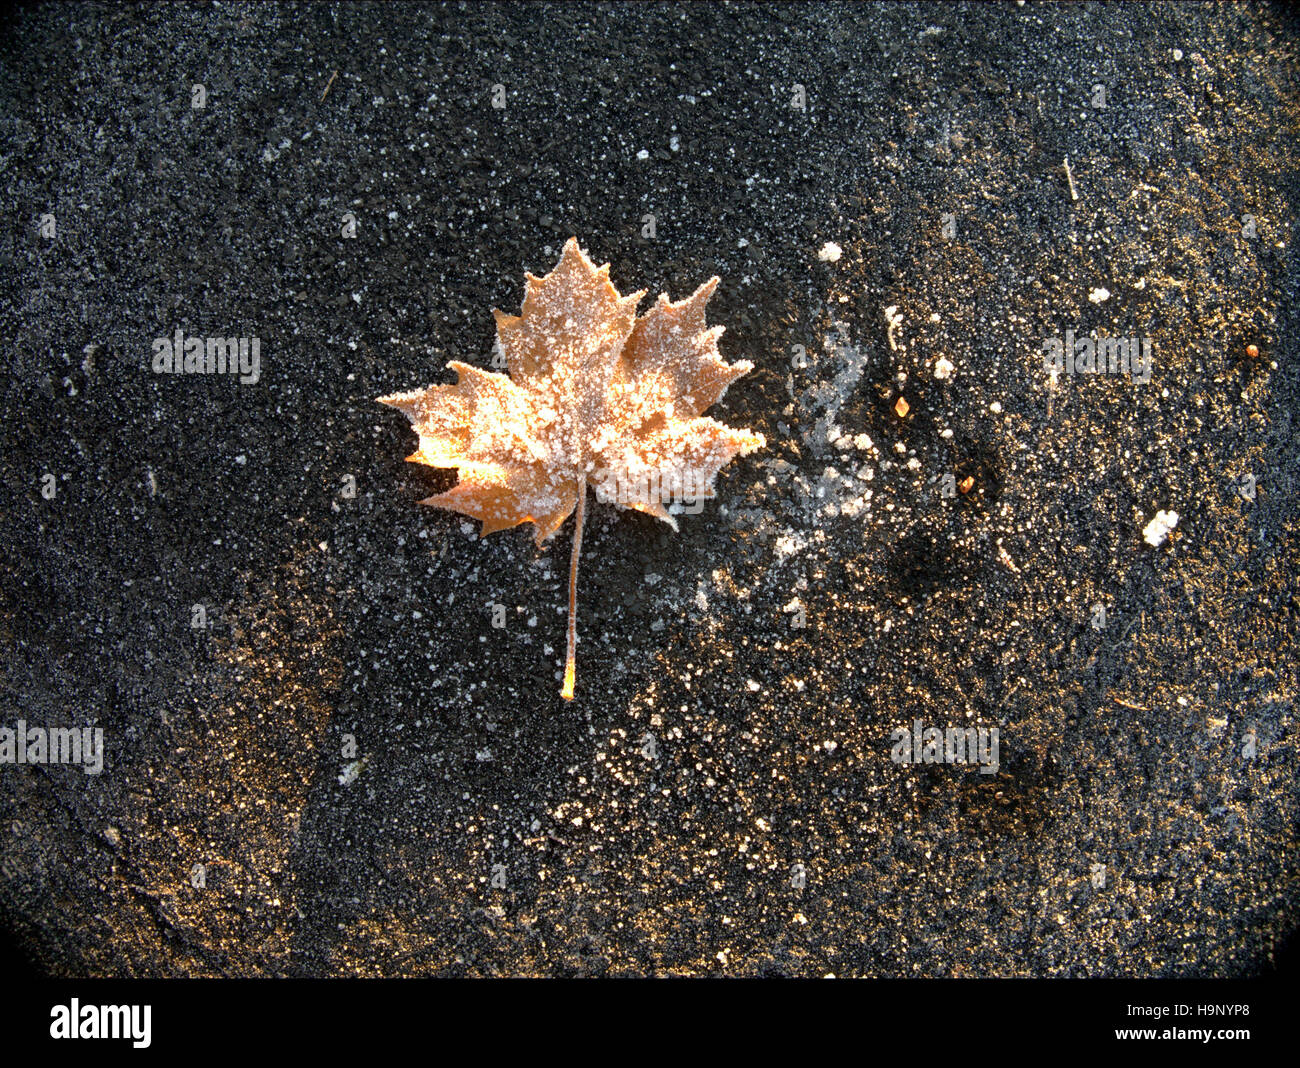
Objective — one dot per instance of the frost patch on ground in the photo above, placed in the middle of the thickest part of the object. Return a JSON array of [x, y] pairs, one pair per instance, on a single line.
[[843, 488], [826, 396]]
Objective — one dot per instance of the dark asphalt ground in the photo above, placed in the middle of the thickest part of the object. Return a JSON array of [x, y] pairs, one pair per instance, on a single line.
[[720, 798]]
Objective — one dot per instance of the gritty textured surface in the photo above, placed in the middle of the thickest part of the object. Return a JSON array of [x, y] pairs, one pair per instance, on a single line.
[[720, 798]]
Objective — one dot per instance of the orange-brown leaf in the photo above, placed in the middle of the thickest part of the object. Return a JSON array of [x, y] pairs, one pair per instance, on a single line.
[[595, 396]]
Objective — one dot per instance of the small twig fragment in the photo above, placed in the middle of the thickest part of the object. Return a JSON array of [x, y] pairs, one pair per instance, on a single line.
[[1127, 704], [1069, 177]]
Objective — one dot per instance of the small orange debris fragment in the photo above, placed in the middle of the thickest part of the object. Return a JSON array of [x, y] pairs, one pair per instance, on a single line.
[[966, 484], [901, 408], [1252, 351]]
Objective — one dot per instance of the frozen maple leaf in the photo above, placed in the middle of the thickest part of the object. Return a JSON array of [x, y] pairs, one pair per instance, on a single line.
[[595, 397]]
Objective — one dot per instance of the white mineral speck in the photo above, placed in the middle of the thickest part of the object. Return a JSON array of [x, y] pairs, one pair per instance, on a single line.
[[830, 253], [1155, 532]]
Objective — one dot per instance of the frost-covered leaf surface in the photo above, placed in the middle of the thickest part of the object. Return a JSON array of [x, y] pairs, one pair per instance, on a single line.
[[593, 394]]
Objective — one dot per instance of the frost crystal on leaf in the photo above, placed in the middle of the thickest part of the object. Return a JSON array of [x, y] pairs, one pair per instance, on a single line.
[[595, 396]]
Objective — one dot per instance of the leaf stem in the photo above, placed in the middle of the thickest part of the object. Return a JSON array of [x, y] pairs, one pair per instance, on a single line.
[[570, 662]]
